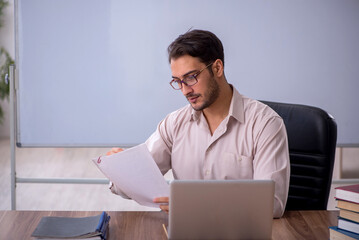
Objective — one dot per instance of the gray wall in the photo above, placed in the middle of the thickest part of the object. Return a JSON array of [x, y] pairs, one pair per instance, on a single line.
[[95, 72]]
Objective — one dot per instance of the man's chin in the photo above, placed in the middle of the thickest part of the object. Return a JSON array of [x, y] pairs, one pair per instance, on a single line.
[[197, 107]]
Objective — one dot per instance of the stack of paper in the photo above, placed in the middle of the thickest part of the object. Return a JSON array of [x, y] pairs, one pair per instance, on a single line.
[[136, 173], [94, 227]]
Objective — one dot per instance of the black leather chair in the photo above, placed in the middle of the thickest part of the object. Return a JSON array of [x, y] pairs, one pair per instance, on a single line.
[[312, 136]]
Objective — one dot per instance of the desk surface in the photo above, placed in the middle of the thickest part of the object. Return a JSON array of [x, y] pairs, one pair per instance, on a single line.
[[148, 225]]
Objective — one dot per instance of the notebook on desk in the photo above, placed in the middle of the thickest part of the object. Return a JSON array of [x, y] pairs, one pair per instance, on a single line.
[[221, 209]]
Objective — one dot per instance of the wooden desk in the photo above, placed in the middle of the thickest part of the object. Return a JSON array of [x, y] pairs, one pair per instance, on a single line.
[[148, 225]]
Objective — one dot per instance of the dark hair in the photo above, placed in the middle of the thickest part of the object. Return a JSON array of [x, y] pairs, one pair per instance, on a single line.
[[197, 43]]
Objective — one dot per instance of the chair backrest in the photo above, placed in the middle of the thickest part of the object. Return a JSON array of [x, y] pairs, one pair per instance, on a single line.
[[312, 136]]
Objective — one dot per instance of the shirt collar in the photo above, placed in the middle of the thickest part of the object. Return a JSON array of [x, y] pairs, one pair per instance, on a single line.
[[195, 115], [235, 109]]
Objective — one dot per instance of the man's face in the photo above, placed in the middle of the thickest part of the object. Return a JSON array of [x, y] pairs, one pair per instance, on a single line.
[[205, 91]]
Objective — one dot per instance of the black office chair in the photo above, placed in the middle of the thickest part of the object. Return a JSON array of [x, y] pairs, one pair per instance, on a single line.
[[312, 136]]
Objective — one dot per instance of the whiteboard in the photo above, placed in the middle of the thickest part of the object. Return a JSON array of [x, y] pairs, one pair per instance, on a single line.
[[96, 73]]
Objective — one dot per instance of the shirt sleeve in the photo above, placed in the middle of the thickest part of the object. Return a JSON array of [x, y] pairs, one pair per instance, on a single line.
[[159, 145], [116, 190], [271, 160]]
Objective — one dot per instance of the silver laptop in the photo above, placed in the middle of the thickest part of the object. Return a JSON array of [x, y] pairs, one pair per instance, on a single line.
[[221, 209]]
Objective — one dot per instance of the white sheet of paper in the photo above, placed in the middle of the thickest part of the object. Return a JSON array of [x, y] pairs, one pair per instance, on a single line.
[[135, 172]]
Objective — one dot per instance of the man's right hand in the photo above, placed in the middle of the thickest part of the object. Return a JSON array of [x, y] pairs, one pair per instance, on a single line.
[[113, 151]]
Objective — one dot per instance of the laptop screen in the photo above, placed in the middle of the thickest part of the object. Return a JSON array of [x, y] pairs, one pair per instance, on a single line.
[[221, 209]]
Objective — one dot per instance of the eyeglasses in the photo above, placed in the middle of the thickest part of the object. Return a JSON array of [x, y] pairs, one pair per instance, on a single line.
[[189, 80]]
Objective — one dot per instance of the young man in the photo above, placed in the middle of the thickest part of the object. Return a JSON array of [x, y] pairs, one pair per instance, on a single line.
[[220, 134]]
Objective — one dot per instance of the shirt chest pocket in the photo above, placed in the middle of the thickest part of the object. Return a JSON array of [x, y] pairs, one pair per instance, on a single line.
[[234, 166]]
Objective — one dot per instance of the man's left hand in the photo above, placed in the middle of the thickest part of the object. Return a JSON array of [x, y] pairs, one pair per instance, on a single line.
[[165, 201]]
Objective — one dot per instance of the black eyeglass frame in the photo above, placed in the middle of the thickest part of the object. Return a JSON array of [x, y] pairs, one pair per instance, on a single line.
[[189, 77]]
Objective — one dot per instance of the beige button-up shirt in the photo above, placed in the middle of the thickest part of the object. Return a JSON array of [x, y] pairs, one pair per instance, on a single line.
[[250, 143]]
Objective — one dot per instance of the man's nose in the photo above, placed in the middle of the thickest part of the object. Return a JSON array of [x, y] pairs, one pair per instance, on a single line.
[[186, 89]]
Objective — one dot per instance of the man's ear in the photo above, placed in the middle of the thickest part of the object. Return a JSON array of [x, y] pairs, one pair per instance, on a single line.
[[217, 68]]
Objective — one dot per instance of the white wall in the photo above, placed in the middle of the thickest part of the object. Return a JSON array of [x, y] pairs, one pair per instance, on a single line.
[[7, 41]]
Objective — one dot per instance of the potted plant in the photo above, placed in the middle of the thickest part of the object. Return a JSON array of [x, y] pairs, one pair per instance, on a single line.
[[5, 62]]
